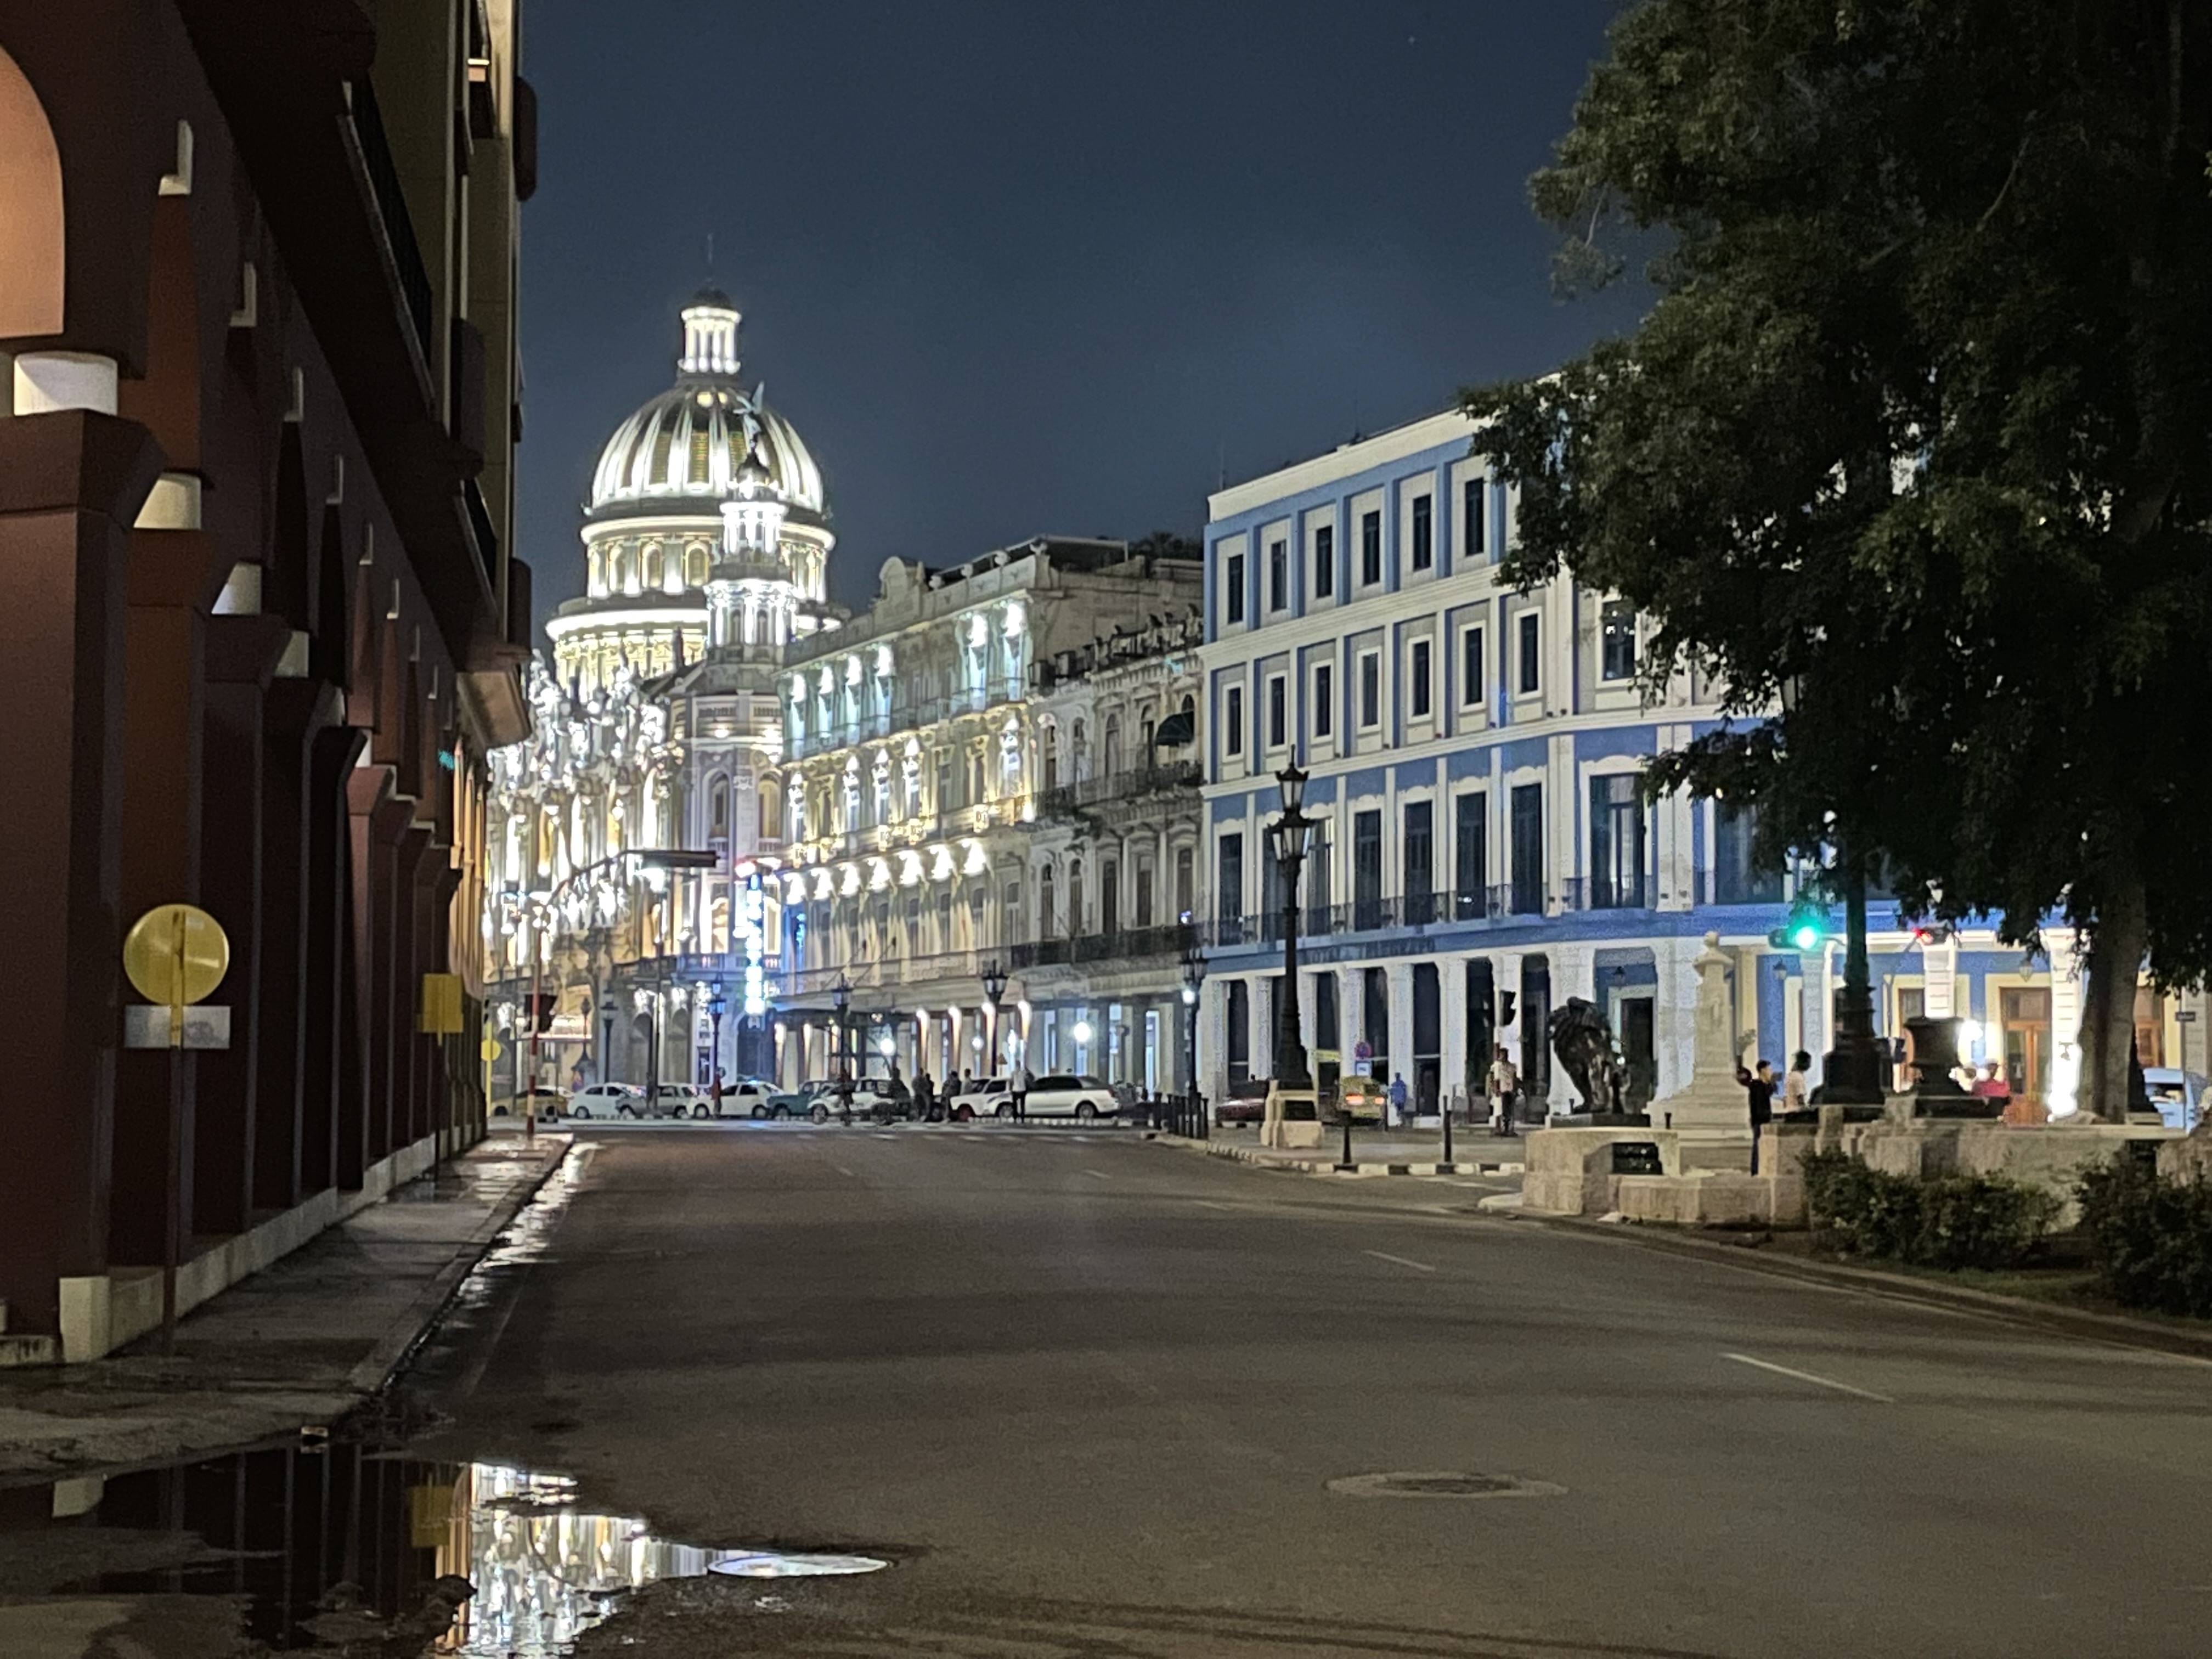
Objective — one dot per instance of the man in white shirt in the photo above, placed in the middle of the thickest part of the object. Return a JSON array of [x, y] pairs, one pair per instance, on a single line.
[[1794, 1096], [1505, 1087]]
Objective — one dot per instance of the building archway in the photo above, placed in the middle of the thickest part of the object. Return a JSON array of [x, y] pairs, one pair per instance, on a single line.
[[33, 274]]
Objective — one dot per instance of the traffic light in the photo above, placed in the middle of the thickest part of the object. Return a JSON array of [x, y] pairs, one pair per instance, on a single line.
[[1806, 930]]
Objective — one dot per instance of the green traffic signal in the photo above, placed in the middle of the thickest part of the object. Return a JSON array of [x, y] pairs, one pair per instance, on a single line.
[[1806, 930]]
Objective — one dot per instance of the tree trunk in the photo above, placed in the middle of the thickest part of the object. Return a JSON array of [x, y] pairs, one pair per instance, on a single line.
[[2108, 1003]]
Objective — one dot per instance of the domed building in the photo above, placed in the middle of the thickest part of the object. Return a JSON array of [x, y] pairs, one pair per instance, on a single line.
[[707, 524], [632, 844]]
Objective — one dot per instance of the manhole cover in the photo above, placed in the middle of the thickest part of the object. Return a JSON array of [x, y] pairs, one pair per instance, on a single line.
[[776, 1564], [1441, 1483]]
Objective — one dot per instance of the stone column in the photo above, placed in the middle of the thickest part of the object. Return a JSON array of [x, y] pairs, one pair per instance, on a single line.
[[70, 484], [2064, 1065], [1401, 1025], [1351, 1013]]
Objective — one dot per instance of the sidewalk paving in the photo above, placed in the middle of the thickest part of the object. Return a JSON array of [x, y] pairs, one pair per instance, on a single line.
[[1375, 1152], [299, 1344]]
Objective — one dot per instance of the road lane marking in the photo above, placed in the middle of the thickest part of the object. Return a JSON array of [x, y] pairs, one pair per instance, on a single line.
[[1209, 1204], [885, 1135], [1807, 1376], [1384, 1255], [842, 1170], [1098, 1175]]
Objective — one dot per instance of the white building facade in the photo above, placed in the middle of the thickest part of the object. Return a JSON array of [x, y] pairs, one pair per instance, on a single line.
[[1485, 852]]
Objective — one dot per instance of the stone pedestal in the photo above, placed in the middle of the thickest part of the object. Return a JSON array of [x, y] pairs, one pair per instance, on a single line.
[[1710, 1116], [1292, 1120]]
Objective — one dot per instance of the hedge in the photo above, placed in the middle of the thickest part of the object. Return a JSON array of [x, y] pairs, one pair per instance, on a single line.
[[2150, 1239], [1953, 1221]]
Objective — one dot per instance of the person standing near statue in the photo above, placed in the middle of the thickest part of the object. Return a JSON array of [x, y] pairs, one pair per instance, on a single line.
[[1503, 1086], [1758, 1093]]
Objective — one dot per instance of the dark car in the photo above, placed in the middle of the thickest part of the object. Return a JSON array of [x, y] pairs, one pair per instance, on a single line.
[[1247, 1102]]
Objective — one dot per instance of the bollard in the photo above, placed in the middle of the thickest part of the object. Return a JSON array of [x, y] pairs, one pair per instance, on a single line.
[[1447, 1157]]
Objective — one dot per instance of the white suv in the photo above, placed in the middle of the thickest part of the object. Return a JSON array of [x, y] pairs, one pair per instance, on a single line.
[[1065, 1095], [984, 1097]]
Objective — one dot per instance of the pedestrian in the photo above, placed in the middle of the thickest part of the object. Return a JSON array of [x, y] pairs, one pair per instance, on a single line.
[[1793, 1085], [1504, 1084], [1018, 1085], [1397, 1098], [1758, 1093], [925, 1100], [1989, 1085]]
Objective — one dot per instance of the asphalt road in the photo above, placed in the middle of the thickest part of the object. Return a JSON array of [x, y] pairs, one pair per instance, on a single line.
[[1088, 1394]]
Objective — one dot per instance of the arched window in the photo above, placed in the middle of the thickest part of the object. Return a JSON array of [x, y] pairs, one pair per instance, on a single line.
[[1079, 753], [1075, 918], [976, 796], [649, 562], [718, 810], [1047, 920], [596, 578], [31, 207], [771, 811], [1049, 758], [1145, 732], [695, 562], [1113, 757], [622, 574]]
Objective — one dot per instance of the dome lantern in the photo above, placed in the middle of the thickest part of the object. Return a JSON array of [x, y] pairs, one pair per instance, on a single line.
[[710, 334]]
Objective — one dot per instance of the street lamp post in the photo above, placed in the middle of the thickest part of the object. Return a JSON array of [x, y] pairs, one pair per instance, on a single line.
[[1290, 834], [1194, 977], [718, 1003], [840, 996], [994, 988]]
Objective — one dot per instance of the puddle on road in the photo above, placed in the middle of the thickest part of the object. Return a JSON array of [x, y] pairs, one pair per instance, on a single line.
[[328, 1542]]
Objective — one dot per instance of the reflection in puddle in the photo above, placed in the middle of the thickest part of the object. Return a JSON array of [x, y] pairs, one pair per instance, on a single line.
[[332, 1542]]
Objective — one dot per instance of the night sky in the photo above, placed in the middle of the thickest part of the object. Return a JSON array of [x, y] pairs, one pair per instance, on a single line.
[[1039, 267]]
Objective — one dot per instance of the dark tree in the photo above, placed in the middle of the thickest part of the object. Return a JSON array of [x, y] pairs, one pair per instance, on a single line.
[[1913, 444]]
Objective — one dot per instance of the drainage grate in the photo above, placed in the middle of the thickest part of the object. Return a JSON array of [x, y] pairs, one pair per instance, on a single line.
[[1442, 1484]]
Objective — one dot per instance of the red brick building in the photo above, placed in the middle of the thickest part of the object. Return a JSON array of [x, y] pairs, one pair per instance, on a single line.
[[259, 621]]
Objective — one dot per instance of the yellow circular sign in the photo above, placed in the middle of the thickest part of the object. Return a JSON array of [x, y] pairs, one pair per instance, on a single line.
[[175, 953], [491, 1049]]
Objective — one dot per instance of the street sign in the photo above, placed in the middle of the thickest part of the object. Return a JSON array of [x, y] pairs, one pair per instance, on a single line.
[[1362, 1050], [175, 953], [145, 1025], [569, 1028]]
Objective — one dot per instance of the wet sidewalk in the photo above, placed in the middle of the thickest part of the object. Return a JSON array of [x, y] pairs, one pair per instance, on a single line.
[[1374, 1151], [300, 1343]]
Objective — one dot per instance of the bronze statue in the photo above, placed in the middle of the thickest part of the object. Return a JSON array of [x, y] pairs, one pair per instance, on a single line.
[[1584, 1042]]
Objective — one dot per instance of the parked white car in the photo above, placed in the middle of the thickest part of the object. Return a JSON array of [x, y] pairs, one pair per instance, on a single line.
[[1066, 1095], [679, 1100], [606, 1100], [987, 1096], [749, 1097]]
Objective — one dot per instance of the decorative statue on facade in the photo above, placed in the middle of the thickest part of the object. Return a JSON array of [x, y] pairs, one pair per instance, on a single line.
[[1584, 1042]]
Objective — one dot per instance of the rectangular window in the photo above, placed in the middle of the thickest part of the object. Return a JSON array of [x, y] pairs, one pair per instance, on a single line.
[[1425, 545], [1475, 528], [1528, 849], [1232, 578], [1228, 892], [1278, 576], [1279, 712], [1371, 690], [1232, 721], [1324, 553], [1370, 547], [1367, 870], [1417, 669], [1471, 856], [1531, 665], [1324, 699], [1616, 633], [1616, 829], [1420, 882], [1739, 877], [1471, 687]]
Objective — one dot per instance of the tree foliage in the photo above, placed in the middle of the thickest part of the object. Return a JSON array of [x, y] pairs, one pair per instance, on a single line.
[[1919, 429]]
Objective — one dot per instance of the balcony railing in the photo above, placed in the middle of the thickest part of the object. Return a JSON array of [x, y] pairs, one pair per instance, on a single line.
[[902, 717], [392, 208], [1120, 786], [1125, 944]]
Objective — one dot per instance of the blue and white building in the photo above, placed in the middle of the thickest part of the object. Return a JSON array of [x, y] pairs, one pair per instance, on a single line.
[[1485, 852]]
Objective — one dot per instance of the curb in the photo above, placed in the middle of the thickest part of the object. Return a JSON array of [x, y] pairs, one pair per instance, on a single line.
[[2117, 1328], [1261, 1159], [377, 1368]]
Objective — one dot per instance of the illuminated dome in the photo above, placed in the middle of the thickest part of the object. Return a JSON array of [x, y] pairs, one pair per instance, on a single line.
[[707, 525], [705, 436]]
